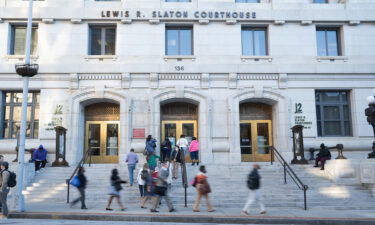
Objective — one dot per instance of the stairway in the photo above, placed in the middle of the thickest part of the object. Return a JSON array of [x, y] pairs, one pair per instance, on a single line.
[[228, 184]]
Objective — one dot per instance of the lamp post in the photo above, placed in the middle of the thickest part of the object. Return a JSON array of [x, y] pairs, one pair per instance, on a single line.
[[370, 113], [25, 70]]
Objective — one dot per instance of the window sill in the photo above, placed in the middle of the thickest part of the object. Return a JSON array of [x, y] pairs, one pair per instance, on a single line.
[[21, 57], [331, 58], [256, 58], [179, 57], [101, 57]]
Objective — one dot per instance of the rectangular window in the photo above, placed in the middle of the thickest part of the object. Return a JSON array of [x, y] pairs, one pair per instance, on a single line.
[[18, 40], [333, 113], [12, 109], [254, 41], [102, 40], [320, 1], [328, 41], [179, 40], [247, 1]]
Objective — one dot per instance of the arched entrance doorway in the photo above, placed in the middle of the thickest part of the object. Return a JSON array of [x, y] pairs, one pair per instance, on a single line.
[[102, 132], [179, 118], [255, 132]]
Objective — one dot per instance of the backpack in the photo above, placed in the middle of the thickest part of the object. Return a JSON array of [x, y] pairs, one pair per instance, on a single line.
[[12, 182], [252, 182], [144, 175]]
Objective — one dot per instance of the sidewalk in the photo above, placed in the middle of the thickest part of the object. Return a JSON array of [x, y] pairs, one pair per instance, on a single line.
[[185, 215]]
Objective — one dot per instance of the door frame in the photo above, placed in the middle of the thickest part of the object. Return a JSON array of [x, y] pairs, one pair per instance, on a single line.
[[254, 143], [102, 158]]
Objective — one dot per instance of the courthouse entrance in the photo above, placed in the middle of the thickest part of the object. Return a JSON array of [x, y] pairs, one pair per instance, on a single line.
[[102, 132], [255, 132], [179, 118]]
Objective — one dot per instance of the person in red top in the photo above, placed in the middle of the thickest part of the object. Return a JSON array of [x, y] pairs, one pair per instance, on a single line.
[[203, 188], [194, 151]]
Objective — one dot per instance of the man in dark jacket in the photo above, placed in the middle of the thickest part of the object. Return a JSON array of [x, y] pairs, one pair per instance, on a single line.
[[323, 155], [4, 189], [81, 188], [40, 158], [253, 183]]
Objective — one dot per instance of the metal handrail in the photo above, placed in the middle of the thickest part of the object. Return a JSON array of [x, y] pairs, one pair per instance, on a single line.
[[80, 164], [288, 170], [184, 174]]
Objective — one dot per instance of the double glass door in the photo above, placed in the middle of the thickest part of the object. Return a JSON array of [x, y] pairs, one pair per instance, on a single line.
[[102, 139], [173, 129], [255, 140]]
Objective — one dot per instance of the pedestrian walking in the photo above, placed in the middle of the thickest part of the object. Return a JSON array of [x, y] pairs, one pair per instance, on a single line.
[[81, 188], [194, 151], [166, 148], [253, 183], [114, 190], [144, 184], [176, 159], [132, 160], [183, 144], [161, 189], [203, 189], [4, 189], [150, 145], [152, 161], [40, 158], [1, 160]]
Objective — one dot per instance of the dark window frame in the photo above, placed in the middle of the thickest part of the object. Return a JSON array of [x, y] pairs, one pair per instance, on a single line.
[[338, 37], [103, 38], [320, 105], [13, 104], [177, 27], [325, 2], [255, 28]]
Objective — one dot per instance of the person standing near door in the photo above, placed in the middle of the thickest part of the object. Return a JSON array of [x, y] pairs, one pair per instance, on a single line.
[[176, 159], [183, 144], [132, 160], [166, 148], [253, 183], [194, 151]]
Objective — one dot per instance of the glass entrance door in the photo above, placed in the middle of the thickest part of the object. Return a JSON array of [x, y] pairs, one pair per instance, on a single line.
[[172, 129], [255, 140], [102, 139]]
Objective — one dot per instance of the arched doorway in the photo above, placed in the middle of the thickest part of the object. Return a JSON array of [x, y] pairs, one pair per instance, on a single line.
[[177, 118], [102, 129], [255, 132]]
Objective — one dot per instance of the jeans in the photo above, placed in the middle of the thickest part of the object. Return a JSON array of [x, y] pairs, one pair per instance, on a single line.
[[194, 155], [185, 149], [131, 168], [81, 198], [143, 190], [3, 200], [40, 164]]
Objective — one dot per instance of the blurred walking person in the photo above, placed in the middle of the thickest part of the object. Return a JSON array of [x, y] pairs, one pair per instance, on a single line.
[[161, 189], [253, 183], [81, 188], [203, 188], [114, 190], [144, 184], [176, 159]]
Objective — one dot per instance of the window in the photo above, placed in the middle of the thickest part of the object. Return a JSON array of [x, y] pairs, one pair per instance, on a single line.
[[247, 1], [320, 1], [12, 109], [333, 113], [254, 41], [177, 0], [328, 43], [18, 40], [102, 40], [179, 40]]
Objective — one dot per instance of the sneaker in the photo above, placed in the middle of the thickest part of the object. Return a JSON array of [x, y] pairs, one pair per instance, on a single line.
[[245, 213], [108, 209], [172, 210], [263, 212], [154, 210]]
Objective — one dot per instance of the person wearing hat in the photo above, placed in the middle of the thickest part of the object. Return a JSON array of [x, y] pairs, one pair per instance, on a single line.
[[323, 155], [40, 158], [4, 189]]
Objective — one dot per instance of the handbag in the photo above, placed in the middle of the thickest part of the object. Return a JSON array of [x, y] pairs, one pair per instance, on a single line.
[[75, 181], [204, 188], [193, 182], [160, 190]]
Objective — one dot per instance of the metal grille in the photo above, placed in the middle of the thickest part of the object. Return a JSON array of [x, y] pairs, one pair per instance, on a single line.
[[179, 111], [255, 111], [102, 112]]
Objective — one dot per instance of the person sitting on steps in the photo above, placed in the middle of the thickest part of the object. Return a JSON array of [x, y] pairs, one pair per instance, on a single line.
[[323, 155]]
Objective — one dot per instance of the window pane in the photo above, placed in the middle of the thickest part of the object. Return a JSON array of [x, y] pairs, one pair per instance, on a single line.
[[347, 129], [318, 117], [185, 42], [346, 112], [320, 1], [112, 139], [110, 41], [247, 42], [18, 97], [172, 41], [37, 97], [331, 113], [245, 138], [331, 96], [263, 138], [259, 42], [332, 128], [17, 113], [96, 41], [28, 129], [7, 97], [36, 113], [319, 129], [6, 129], [34, 41], [36, 129], [16, 129], [332, 43], [19, 40], [321, 43], [7, 112]]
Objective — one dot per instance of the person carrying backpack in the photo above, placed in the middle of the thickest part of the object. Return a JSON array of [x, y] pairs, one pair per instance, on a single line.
[[253, 183], [150, 145], [4, 187]]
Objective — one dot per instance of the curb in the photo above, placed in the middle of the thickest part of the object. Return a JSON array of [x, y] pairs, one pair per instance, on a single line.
[[193, 218]]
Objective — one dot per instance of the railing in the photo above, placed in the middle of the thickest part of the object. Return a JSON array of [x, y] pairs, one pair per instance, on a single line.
[[184, 174], [81, 163], [289, 170]]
